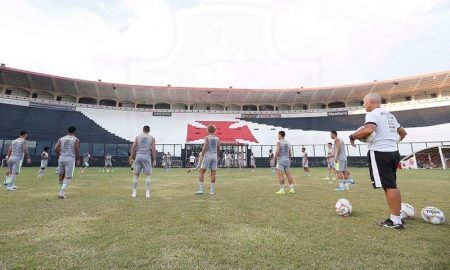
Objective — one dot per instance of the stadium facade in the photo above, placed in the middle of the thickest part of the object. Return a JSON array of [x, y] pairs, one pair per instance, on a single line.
[[109, 114]]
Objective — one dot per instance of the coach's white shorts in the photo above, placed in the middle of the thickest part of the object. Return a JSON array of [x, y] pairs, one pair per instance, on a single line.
[[305, 164]]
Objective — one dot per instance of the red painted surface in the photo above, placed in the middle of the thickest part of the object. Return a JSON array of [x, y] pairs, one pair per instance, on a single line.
[[224, 132]]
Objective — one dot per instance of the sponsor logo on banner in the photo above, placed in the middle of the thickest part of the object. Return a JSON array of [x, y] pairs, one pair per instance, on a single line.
[[162, 114], [337, 113], [253, 115]]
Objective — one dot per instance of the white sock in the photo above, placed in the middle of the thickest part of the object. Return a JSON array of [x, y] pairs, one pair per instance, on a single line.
[[291, 186], [281, 186], [66, 183], [341, 184], [213, 186], [135, 182], [200, 186], [147, 182], [396, 219]]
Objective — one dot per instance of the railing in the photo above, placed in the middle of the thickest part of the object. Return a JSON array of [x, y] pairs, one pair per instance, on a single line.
[[96, 149], [259, 151], [320, 150], [353, 108]]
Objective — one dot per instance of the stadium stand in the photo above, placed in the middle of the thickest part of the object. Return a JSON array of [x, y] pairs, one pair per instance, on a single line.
[[51, 124], [408, 119]]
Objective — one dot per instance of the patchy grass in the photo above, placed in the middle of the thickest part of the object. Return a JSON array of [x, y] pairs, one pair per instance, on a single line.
[[245, 225]]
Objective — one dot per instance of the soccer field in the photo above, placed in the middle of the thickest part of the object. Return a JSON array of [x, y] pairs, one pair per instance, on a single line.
[[245, 225]]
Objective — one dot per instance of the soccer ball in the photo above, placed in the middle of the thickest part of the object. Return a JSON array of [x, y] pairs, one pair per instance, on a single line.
[[407, 211], [369, 138], [343, 207], [433, 215]]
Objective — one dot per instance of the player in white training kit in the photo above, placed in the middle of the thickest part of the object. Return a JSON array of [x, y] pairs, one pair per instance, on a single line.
[[283, 154], [68, 150], [272, 161], [305, 162], [108, 162], [340, 161], [16, 152], [383, 155], [253, 162], [143, 157], [330, 163], [86, 158], [210, 154], [45, 157], [240, 158]]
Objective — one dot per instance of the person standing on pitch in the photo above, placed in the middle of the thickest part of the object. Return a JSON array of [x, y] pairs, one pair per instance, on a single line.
[[271, 161], [283, 155], [330, 162], [45, 157], [210, 154], [305, 162], [253, 162], [16, 152], [383, 155], [340, 161], [143, 157], [68, 150]]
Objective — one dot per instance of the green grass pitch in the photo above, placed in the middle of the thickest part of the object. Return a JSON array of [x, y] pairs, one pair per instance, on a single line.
[[244, 226]]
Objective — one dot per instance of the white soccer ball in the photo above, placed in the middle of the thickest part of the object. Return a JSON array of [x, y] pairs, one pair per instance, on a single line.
[[433, 215], [407, 211], [369, 139], [343, 207]]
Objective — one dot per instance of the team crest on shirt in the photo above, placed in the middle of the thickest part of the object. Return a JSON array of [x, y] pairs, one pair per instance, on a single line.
[[227, 131]]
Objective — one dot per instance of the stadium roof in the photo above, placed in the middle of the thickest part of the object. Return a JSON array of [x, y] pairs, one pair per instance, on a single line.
[[438, 82]]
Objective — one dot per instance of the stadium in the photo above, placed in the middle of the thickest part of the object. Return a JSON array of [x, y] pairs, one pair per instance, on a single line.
[[242, 222]]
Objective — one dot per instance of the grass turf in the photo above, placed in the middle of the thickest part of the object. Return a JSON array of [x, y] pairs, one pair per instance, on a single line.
[[245, 225]]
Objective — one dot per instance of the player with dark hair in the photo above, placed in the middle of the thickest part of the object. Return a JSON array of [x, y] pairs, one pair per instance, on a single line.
[[330, 162], [45, 157], [340, 161], [305, 162], [210, 153], [68, 150], [383, 155], [16, 152], [143, 157], [283, 155]]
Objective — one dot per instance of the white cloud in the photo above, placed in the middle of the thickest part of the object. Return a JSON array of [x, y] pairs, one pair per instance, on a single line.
[[216, 43]]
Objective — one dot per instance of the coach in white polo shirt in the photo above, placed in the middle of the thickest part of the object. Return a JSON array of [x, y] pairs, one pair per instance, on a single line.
[[383, 154]]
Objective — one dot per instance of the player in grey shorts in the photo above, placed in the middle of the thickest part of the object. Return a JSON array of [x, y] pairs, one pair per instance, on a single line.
[[143, 157], [210, 154], [68, 150], [108, 162], [283, 154], [45, 157], [16, 152], [340, 159]]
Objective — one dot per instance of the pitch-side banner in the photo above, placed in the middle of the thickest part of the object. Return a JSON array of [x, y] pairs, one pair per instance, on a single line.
[[253, 115], [162, 114], [337, 113]]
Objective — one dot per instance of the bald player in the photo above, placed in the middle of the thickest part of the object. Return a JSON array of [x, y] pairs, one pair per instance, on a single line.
[[143, 157], [16, 152], [68, 150], [383, 155]]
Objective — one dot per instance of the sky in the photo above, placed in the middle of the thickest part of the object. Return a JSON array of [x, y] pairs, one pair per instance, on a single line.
[[210, 43]]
